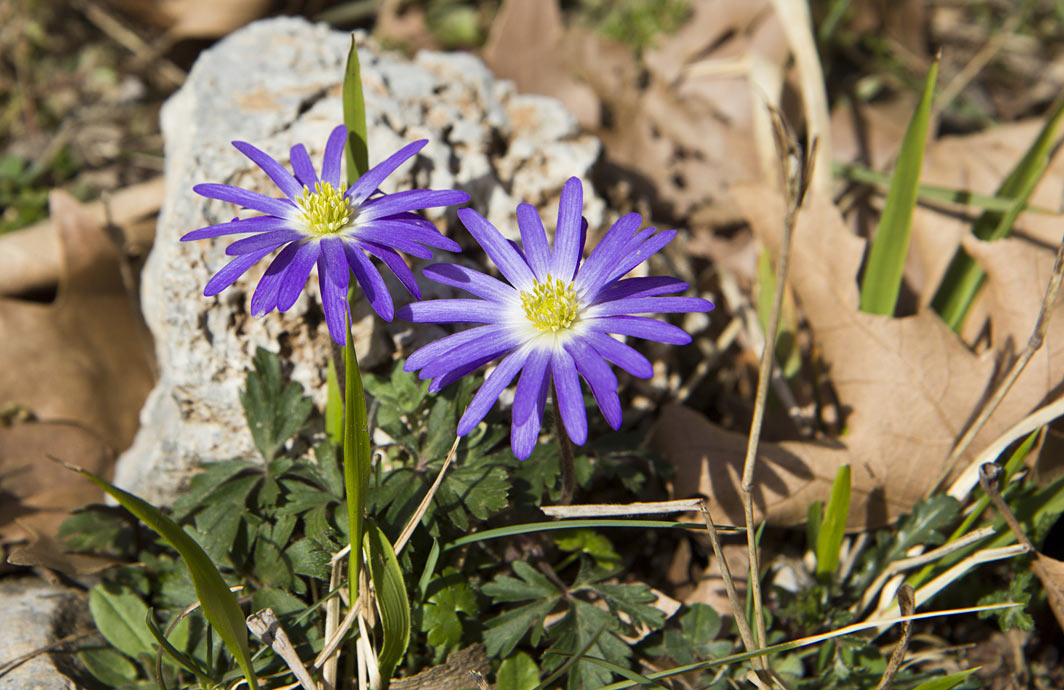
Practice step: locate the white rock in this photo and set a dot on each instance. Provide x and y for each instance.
(276, 83)
(37, 614)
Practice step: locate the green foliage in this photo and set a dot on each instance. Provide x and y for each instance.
(924, 526)
(637, 23)
(1019, 590)
(275, 412)
(833, 529)
(518, 672)
(356, 153)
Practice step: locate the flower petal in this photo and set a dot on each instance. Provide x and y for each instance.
(523, 435)
(390, 258)
(274, 170)
(265, 298)
(295, 276)
(228, 274)
(334, 154)
(271, 240)
(280, 208)
(491, 389)
(387, 231)
(451, 376)
(649, 305)
(530, 383)
(473, 282)
(639, 327)
(534, 238)
(567, 395)
(600, 378)
(334, 263)
(624, 356)
(649, 286)
(302, 166)
(369, 278)
(638, 255)
(410, 200)
(333, 302)
(237, 226)
(452, 311)
(368, 183)
(566, 254)
(486, 346)
(428, 353)
(389, 238)
(499, 250)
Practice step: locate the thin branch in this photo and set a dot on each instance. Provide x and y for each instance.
(907, 604)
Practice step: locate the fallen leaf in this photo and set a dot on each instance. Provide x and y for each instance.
(45, 551)
(1051, 572)
(908, 387)
(196, 18)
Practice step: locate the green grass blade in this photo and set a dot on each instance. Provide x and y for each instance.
(529, 528)
(947, 682)
(356, 152)
(392, 600)
(890, 245)
(964, 277)
(219, 605)
(356, 459)
(334, 406)
(833, 529)
(187, 662)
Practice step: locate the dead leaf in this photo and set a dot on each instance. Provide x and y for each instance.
(196, 18)
(47, 552)
(908, 388)
(81, 365)
(1051, 572)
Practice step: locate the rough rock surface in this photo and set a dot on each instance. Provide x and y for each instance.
(276, 83)
(37, 614)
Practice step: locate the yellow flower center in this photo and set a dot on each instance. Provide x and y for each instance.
(324, 210)
(551, 305)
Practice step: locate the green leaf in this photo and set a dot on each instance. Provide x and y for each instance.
(356, 450)
(334, 406)
(508, 628)
(357, 150)
(392, 601)
(591, 543)
(274, 413)
(187, 662)
(947, 682)
(218, 523)
(1019, 592)
(119, 615)
(890, 244)
(109, 667)
(93, 528)
(833, 529)
(440, 612)
(964, 277)
(518, 672)
(219, 605)
(205, 484)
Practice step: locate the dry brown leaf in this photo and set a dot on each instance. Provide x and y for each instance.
(80, 365)
(47, 552)
(196, 18)
(1051, 572)
(908, 387)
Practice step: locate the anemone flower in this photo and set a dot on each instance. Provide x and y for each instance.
(318, 222)
(552, 319)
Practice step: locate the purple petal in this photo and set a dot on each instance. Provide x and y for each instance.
(248, 199)
(534, 237)
(624, 356)
(453, 311)
(639, 287)
(302, 166)
(639, 327)
(523, 436)
(600, 378)
(334, 263)
(473, 282)
(228, 274)
(491, 389)
(644, 251)
(529, 385)
(369, 278)
(295, 277)
(607, 253)
(387, 232)
(333, 302)
(271, 240)
(334, 154)
(368, 183)
(566, 253)
(499, 250)
(274, 170)
(451, 376)
(265, 298)
(649, 305)
(390, 258)
(486, 346)
(428, 353)
(567, 396)
(236, 227)
(390, 238)
(410, 200)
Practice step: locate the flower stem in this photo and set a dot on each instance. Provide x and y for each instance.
(565, 446)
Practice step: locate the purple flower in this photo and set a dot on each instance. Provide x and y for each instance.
(316, 222)
(553, 319)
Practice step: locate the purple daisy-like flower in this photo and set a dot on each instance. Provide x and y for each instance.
(553, 320)
(318, 223)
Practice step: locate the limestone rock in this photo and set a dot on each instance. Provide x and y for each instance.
(276, 83)
(37, 614)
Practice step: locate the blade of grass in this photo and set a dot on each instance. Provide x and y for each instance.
(219, 605)
(356, 459)
(528, 528)
(833, 529)
(890, 244)
(964, 277)
(356, 153)
(392, 600)
(334, 406)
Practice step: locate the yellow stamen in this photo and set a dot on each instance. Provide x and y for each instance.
(551, 305)
(324, 210)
